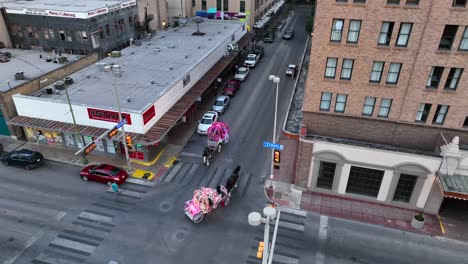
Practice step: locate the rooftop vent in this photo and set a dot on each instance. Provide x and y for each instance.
(199, 47)
(88, 76)
(129, 99)
(172, 46)
(209, 39)
(68, 80)
(101, 65)
(60, 85)
(138, 42)
(19, 75)
(157, 49)
(152, 81)
(186, 56)
(170, 68)
(49, 90)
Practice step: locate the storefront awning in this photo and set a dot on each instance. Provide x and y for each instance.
(453, 186)
(168, 120)
(38, 123)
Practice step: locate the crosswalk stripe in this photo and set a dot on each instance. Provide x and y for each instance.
(141, 182)
(182, 173)
(283, 259)
(72, 232)
(217, 178)
(96, 217)
(110, 207)
(173, 172)
(189, 175)
(73, 246)
(244, 182)
(91, 226)
(207, 179)
(79, 240)
(291, 226)
(49, 256)
(128, 193)
(292, 211)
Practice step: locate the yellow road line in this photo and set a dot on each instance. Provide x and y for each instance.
(441, 224)
(170, 161)
(149, 163)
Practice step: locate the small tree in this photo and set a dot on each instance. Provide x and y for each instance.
(309, 25)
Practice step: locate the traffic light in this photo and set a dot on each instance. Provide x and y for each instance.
(90, 148)
(277, 156)
(128, 139)
(260, 249)
(112, 133)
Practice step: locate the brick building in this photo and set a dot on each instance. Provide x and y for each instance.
(386, 77)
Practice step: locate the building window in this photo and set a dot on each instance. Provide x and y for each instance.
(404, 34)
(337, 30)
(465, 123)
(193, 3)
(423, 112)
(386, 31)
(63, 36)
(359, 1)
(447, 37)
(325, 101)
(340, 104)
(218, 5)
(45, 32)
(101, 33)
(330, 69)
(368, 108)
(464, 41)
(393, 73)
(30, 31)
(412, 2)
(353, 32)
(376, 71)
(242, 6)
(393, 2)
(453, 78)
(384, 109)
(342, 1)
(459, 3)
(52, 33)
(434, 77)
(226, 5)
(404, 188)
(347, 69)
(440, 114)
(326, 175)
(364, 181)
(108, 31)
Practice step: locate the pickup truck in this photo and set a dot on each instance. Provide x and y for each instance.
(251, 60)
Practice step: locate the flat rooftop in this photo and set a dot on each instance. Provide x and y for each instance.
(149, 70)
(60, 5)
(29, 62)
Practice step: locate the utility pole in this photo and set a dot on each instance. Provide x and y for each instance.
(276, 80)
(77, 132)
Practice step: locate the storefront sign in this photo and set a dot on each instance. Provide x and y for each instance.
(148, 115)
(106, 115)
(129, 3)
(97, 12)
(62, 14)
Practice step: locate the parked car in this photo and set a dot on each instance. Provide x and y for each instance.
(291, 70)
(221, 104)
(104, 173)
(259, 50)
(241, 74)
(231, 87)
(251, 60)
(26, 158)
(269, 38)
(289, 34)
(281, 25)
(207, 120)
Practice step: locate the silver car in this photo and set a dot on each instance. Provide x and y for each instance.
(221, 104)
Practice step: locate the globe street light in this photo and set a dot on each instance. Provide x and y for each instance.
(276, 80)
(255, 219)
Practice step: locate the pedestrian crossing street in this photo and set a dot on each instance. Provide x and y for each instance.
(92, 225)
(289, 239)
(196, 175)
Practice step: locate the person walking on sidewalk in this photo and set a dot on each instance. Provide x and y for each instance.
(115, 189)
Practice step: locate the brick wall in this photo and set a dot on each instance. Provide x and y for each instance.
(303, 163)
(7, 105)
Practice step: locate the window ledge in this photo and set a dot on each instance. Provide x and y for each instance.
(411, 6)
(392, 6)
(401, 48)
(341, 3)
(335, 43)
(360, 4)
(461, 52)
(374, 84)
(383, 46)
(442, 51)
(329, 79)
(389, 85)
(456, 8)
(352, 45)
(430, 89)
(449, 91)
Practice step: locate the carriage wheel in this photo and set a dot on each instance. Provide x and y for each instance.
(219, 148)
(204, 160)
(226, 202)
(198, 218)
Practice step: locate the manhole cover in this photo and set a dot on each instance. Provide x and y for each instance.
(11, 239)
(180, 235)
(165, 206)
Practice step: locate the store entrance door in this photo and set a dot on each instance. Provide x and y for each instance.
(3, 126)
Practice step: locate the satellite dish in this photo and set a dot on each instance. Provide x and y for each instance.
(198, 20)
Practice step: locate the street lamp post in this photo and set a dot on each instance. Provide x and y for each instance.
(256, 219)
(117, 73)
(276, 80)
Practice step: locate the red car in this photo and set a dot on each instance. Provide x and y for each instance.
(231, 87)
(104, 173)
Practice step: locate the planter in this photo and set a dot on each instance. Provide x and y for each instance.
(418, 221)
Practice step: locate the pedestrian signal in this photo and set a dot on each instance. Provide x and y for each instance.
(276, 156)
(112, 133)
(260, 249)
(90, 148)
(128, 139)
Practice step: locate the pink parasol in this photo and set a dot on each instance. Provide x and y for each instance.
(218, 131)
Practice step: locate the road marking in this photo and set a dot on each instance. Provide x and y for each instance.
(441, 224)
(195, 155)
(76, 233)
(91, 226)
(174, 171)
(141, 182)
(291, 226)
(72, 246)
(293, 211)
(60, 215)
(323, 229)
(54, 257)
(96, 217)
(283, 259)
(170, 161)
(28, 243)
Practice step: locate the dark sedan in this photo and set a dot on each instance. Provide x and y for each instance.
(104, 173)
(23, 158)
(289, 34)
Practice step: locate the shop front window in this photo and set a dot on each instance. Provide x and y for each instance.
(405, 188)
(326, 175)
(364, 181)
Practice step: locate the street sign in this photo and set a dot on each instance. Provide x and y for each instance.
(121, 123)
(267, 144)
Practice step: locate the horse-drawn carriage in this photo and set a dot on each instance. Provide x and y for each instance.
(218, 134)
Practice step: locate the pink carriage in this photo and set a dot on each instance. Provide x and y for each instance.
(218, 134)
(204, 201)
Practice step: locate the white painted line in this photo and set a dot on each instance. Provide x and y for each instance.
(293, 211)
(96, 217)
(174, 171)
(284, 259)
(60, 215)
(291, 226)
(195, 155)
(323, 229)
(140, 182)
(28, 243)
(73, 245)
(113, 262)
